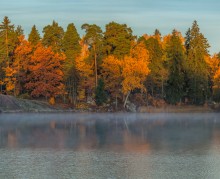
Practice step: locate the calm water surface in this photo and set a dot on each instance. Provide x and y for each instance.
(66, 146)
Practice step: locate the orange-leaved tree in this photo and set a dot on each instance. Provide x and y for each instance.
(10, 79)
(16, 72)
(213, 64)
(46, 76)
(217, 79)
(135, 70)
(112, 75)
(22, 57)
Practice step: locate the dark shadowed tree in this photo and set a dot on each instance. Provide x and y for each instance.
(100, 94)
(71, 49)
(157, 77)
(176, 57)
(197, 70)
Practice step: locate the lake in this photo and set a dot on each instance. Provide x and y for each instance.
(109, 146)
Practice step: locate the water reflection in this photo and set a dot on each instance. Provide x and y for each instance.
(134, 132)
(57, 146)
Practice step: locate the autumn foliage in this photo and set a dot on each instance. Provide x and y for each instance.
(46, 76)
(135, 69)
(112, 74)
(63, 65)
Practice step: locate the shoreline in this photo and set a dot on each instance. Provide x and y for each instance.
(10, 104)
(177, 109)
(141, 109)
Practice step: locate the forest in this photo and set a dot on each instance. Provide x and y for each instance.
(111, 66)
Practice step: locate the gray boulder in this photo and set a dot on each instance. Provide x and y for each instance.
(131, 107)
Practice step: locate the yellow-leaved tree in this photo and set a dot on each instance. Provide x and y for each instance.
(214, 73)
(85, 70)
(135, 70)
(127, 74)
(217, 79)
(22, 54)
(213, 64)
(112, 75)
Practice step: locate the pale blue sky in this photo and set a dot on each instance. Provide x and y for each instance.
(143, 16)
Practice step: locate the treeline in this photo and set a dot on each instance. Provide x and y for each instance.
(112, 65)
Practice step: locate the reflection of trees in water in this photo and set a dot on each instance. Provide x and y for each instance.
(136, 135)
(12, 139)
(179, 137)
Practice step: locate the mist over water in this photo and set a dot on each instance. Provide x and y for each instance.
(109, 145)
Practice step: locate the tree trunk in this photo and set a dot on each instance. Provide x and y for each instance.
(152, 91)
(126, 99)
(6, 42)
(96, 73)
(74, 91)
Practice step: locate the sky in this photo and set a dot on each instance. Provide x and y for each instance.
(143, 16)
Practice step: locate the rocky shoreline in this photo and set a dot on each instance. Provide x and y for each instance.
(10, 104)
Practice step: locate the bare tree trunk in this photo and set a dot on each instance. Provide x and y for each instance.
(126, 99)
(96, 73)
(152, 91)
(74, 91)
(6, 43)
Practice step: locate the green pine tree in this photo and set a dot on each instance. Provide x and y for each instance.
(176, 57)
(70, 45)
(118, 40)
(72, 49)
(8, 42)
(157, 33)
(34, 36)
(94, 38)
(187, 41)
(100, 94)
(158, 75)
(19, 31)
(53, 36)
(218, 55)
(197, 70)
